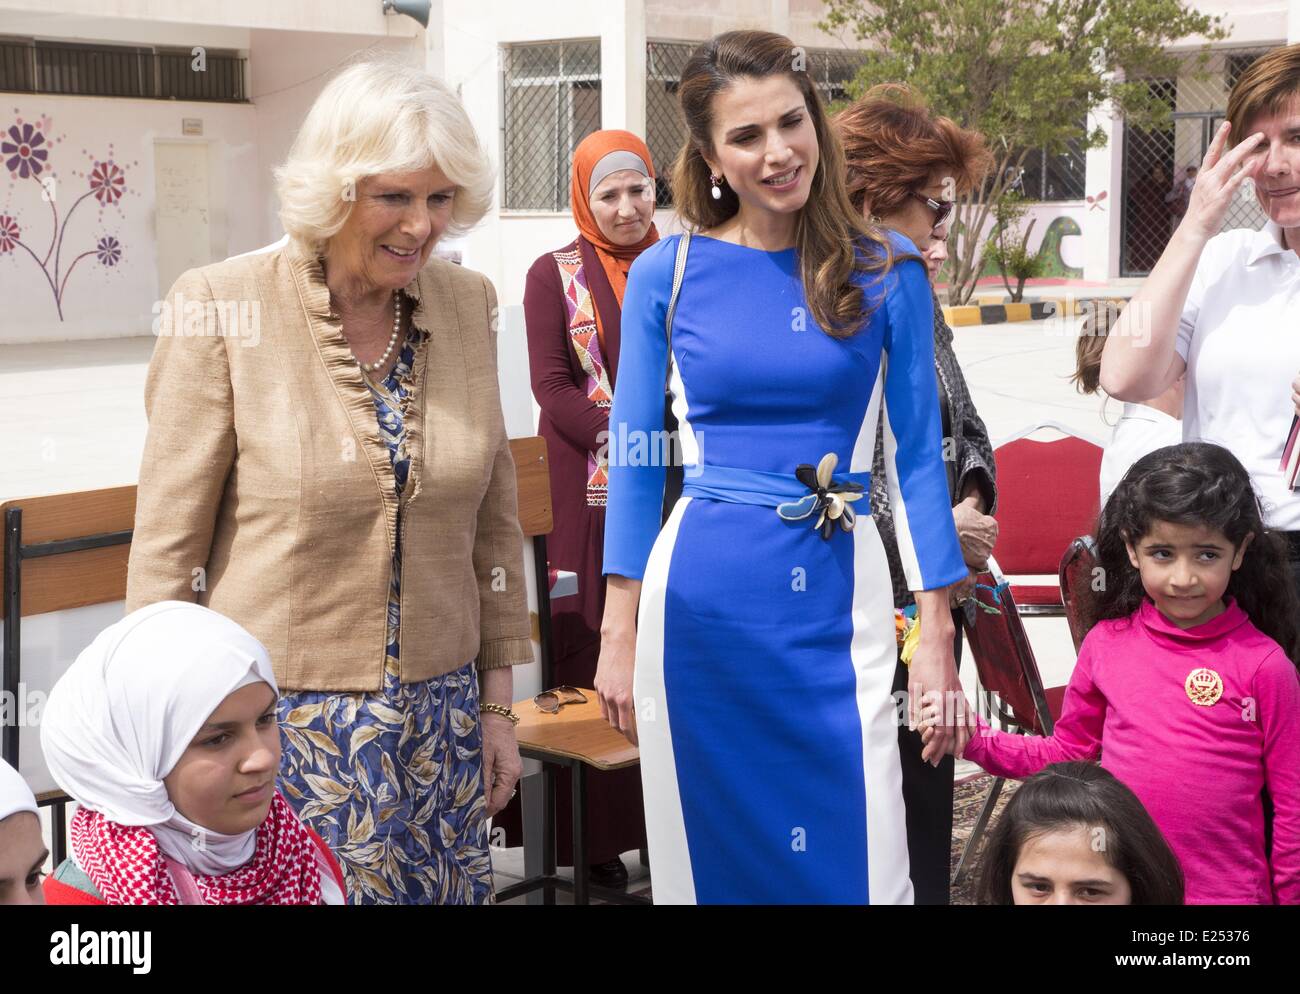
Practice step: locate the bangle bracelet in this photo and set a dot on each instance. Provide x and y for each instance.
(502, 710)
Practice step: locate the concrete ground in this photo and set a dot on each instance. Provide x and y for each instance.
(72, 414)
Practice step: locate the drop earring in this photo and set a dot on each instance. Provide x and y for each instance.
(714, 189)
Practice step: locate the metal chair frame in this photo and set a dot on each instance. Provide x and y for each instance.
(994, 708)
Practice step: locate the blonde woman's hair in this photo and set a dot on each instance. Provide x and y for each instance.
(829, 231)
(378, 117)
(1099, 317)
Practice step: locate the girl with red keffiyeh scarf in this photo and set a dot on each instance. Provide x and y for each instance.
(164, 732)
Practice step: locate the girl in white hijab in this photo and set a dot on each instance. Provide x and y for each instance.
(22, 850)
(164, 732)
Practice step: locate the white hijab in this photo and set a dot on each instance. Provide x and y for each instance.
(15, 795)
(119, 719)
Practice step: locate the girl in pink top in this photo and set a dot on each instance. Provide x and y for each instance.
(1184, 685)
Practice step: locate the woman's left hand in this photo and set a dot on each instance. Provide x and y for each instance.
(960, 591)
(976, 531)
(502, 766)
(1295, 394)
(932, 682)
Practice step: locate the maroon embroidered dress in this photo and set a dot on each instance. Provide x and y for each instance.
(573, 381)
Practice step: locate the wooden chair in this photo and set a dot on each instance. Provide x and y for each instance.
(577, 737)
(1012, 688)
(60, 552)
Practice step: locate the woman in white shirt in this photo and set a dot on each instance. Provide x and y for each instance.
(1225, 308)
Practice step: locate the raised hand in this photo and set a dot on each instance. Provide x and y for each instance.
(1218, 180)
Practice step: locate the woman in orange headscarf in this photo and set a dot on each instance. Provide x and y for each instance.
(573, 303)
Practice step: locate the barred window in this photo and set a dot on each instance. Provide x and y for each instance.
(1153, 194)
(1056, 176)
(1236, 65)
(832, 70)
(29, 66)
(551, 95)
(664, 128)
(221, 78)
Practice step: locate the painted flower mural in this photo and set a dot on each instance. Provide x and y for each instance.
(108, 250)
(25, 154)
(9, 233)
(107, 182)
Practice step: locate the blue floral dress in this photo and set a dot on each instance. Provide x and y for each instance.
(393, 780)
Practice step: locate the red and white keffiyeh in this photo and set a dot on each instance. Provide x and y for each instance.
(127, 867)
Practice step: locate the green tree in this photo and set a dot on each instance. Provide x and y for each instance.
(1024, 73)
(1008, 245)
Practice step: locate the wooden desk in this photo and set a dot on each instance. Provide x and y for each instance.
(578, 732)
(576, 737)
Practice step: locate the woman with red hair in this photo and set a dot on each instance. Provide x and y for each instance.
(905, 166)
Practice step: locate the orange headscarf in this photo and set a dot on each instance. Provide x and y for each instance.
(616, 260)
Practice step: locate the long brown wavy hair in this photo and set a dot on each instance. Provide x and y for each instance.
(829, 235)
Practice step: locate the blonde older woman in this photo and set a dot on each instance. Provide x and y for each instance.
(331, 470)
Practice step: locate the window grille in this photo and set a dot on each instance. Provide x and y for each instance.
(551, 95)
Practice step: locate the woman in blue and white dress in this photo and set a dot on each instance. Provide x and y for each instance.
(758, 675)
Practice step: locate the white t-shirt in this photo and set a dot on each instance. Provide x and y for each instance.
(1140, 430)
(1240, 334)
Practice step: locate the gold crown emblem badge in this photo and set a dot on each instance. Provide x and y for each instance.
(1204, 687)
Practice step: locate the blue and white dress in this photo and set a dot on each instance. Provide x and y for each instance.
(765, 653)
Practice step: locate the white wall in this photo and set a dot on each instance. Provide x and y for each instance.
(287, 69)
(102, 301)
(342, 16)
(1251, 22)
(505, 245)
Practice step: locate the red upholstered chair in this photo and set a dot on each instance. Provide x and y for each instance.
(1047, 494)
(1012, 689)
(1075, 578)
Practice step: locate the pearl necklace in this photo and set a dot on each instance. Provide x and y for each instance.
(370, 367)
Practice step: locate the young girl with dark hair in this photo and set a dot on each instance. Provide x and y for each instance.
(1073, 834)
(1184, 683)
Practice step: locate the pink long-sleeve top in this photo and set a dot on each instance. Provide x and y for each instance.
(1199, 770)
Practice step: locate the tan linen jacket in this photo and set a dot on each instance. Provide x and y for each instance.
(266, 491)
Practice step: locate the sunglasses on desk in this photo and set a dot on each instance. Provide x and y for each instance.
(550, 701)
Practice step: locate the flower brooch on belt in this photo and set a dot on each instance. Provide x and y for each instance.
(830, 497)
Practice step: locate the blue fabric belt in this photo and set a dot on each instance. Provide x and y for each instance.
(751, 486)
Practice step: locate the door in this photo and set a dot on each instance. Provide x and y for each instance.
(182, 217)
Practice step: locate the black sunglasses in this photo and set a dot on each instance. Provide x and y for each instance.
(942, 208)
